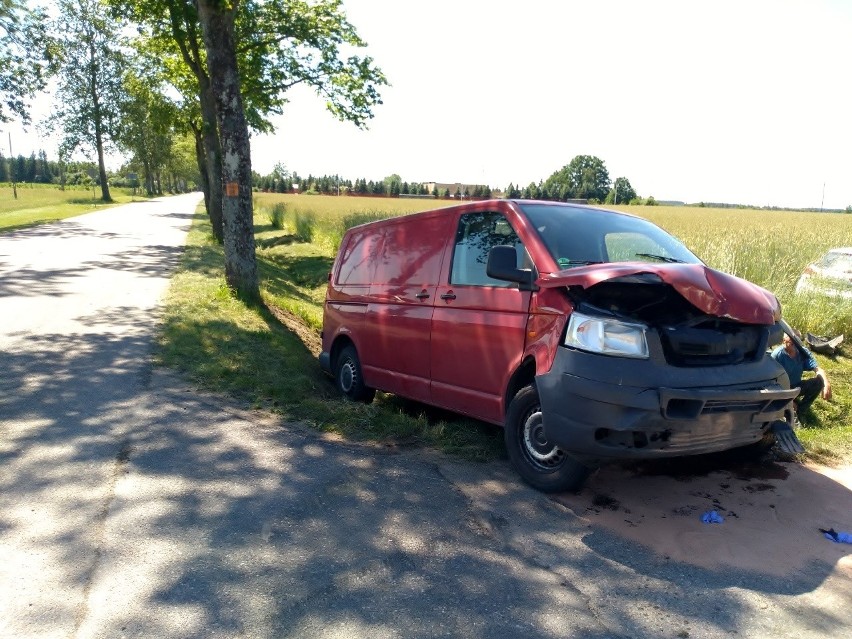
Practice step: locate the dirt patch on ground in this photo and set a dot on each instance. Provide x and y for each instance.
(309, 336)
(771, 512)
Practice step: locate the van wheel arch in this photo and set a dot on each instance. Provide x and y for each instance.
(340, 342)
(523, 376)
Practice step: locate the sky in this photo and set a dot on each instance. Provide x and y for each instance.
(744, 101)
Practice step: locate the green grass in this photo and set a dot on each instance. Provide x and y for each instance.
(40, 204)
(226, 346)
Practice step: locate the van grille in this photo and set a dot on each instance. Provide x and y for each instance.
(713, 343)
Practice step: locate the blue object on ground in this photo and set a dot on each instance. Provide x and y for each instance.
(712, 517)
(837, 537)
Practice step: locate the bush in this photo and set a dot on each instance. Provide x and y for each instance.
(276, 215)
(305, 222)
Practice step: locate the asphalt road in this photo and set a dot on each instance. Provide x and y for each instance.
(132, 505)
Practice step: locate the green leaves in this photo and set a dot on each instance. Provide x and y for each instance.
(24, 58)
(282, 44)
(585, 177)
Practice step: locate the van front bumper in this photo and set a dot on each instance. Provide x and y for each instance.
(656, 411)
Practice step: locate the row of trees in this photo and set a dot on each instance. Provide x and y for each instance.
(180, 173)
(36, 169)
(143, 76)
(584, 178)
(282, 181)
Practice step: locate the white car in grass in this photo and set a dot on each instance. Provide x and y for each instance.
(830, 275)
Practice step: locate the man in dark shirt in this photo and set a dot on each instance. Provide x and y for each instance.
(795, 361)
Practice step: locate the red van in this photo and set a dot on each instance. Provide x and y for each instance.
(589, 335)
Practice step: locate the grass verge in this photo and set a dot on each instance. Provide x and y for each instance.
(41, 204)
(225, 346)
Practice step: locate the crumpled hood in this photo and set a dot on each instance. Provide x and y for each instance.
(710, 291)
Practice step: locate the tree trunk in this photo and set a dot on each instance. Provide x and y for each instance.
(212, 157)
(201, 160)
(217, 25)
(184, 19)
(98, 120)
(149, 178)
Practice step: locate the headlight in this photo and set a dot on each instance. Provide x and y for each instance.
(606, 335)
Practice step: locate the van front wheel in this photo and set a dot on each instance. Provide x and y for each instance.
(541, 463)
(350, 378)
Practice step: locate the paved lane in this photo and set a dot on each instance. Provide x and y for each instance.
(77, 309)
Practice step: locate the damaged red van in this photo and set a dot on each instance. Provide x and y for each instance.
(589, 335)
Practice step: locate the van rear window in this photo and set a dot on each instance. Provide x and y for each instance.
(412, 251)
(357, 261)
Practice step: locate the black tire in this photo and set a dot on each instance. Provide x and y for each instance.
(540, 463)
(350, 378)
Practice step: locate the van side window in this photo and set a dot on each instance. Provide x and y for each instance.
(477, 234)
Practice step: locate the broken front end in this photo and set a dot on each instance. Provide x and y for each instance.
(663, 360)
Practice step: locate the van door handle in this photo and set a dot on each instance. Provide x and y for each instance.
(448, 296)
(422, 295)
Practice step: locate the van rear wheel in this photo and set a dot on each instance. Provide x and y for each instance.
(350, 378)
(538, 461)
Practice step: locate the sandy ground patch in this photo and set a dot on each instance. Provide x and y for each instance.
(772, 512)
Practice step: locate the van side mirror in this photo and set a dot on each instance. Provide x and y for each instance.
(503, 265)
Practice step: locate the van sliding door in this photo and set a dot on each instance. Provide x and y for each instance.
(402, 295)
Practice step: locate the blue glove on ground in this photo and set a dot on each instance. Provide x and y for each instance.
(837, 537)
(712, 517)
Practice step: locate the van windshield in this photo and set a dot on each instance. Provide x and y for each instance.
(579, 236)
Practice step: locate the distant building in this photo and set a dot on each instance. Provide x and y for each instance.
(465, 190)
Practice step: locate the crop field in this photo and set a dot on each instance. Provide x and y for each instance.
(770, 248)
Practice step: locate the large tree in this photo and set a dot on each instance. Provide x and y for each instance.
(217, 25)
(622, 192)
(172, 35)
(23, 58)
(276, 45)
(585, 177)
(87, 112)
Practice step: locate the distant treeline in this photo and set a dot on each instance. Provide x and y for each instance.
(37, 169)
(334, 185)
